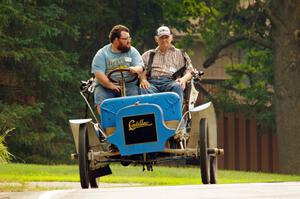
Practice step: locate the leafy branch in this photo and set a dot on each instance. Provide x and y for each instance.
(214, 55)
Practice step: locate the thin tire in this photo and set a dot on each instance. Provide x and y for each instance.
(213, 169)
(204, 157)
(83, 157)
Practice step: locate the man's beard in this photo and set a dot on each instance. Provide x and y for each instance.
(123, 48)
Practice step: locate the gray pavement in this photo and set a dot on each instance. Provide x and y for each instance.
(286, 190)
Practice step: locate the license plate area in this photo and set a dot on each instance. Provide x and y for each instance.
(139, 129)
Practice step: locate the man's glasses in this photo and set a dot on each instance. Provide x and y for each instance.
(125, 38)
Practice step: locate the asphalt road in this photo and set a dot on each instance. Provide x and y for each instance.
(286, 190)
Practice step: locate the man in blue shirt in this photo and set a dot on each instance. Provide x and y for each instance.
(116, 55)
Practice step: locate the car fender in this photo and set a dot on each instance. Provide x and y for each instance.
(206, 111)
(92, 134)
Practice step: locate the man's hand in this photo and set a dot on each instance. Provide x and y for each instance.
(144, 84)
(115, 88)
(105, 82)
(181, 82)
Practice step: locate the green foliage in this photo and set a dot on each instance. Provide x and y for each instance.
(250, 88)
(41, 69)
(5, 156)
(46, 49)
(252, 78)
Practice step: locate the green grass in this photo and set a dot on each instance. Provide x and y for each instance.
(160, 176)
(33, 172)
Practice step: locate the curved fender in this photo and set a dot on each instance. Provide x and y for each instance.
(92, 134)
(207, 111)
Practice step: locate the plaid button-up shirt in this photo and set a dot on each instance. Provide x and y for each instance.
(167, 63)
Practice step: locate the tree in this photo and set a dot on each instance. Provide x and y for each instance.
(285, 19)
(263, 25)
(46, 49)
(37, 96)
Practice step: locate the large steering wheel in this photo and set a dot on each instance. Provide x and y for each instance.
(121, 71)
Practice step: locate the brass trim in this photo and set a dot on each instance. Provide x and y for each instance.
(110, 130)
(172, 124)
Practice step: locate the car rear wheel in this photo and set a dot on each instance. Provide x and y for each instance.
(204, 156)
(83, 157)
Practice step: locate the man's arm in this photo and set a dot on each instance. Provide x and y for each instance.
(137, 62)
(182, 81)
(187, 71)
(136, 69)
(186, 77)
(143, 77)
(143, 81)
(105, 82)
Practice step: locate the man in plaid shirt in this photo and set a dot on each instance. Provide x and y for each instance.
(162, 64)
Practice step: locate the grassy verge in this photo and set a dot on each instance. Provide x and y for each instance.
(24, 173)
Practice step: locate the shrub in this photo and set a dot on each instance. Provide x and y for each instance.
(5, 156)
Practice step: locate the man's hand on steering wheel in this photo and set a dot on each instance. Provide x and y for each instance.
(115, 88)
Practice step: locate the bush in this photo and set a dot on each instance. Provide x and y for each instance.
(5, 156)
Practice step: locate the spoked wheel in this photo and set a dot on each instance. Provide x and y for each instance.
(83, 157)
(208, 163)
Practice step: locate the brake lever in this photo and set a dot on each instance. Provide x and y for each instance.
(92, 86)
(197, 74)
(88, 85)
(83, 86)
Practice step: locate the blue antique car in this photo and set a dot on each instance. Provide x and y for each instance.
(145, 130)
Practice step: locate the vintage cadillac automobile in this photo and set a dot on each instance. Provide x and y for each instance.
(145, 130)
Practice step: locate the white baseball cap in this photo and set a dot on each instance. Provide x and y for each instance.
(163, 30)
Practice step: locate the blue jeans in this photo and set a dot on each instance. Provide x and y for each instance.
(101, 93)
(163, 84)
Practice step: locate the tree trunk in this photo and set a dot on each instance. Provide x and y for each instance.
(286, 41)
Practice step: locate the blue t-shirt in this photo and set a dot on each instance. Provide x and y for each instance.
(105, 61)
